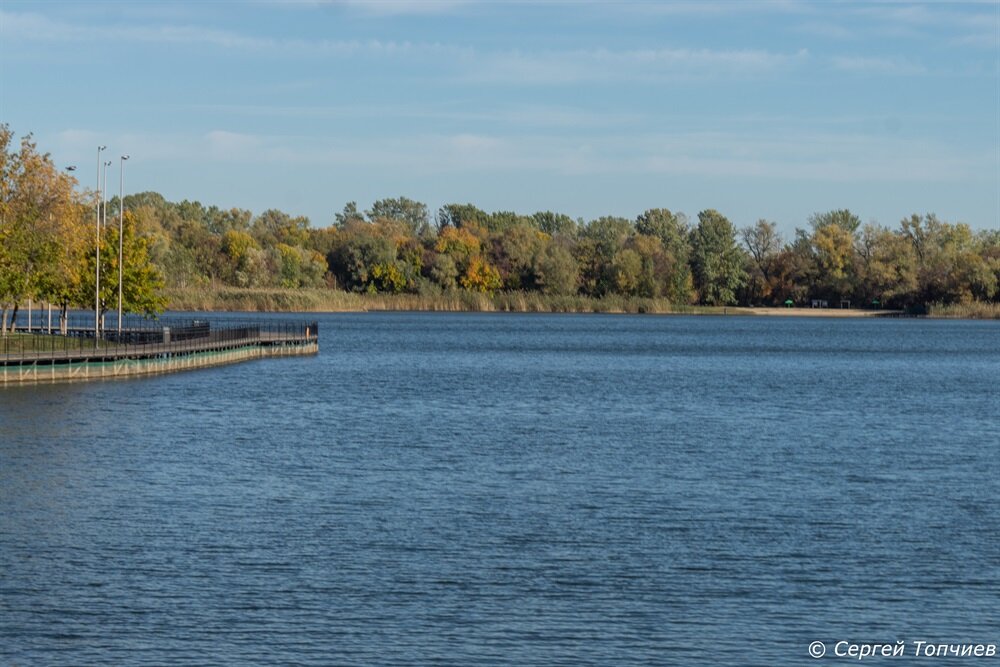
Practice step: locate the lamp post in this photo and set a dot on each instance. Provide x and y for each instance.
(97, 256)
(70, 169)
(121, 232)
(104, 217)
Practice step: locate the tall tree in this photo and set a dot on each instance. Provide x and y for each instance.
(716, 260)
(887, 267)
(951, 266)
(833, 250)
(401, 209)
(141, 280)
(842, 218)
(599, 242)
(348, 215)
(672, 230)
(39, 233)
(554, 223)
(458, 215)
(763, 243)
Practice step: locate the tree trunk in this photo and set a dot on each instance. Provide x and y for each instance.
(13, 318)
(3, 321)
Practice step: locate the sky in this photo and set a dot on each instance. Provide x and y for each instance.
(760, 109)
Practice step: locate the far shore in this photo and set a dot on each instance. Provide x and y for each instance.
(277, 300)
(817, 312)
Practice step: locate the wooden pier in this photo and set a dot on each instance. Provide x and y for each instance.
(148, 349)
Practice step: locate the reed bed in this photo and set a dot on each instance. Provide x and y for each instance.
(327, 300)
(977, 310)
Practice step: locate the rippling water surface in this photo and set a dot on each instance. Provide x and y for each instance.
(513, 489)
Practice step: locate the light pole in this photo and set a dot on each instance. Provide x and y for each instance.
(121, 232)
(70, 169)
(104, 216)
(97, 256)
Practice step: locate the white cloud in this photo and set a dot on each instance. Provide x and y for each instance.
(884, 66)
(604, 65)
(36, 27)
(967, 24)
(772, 153)
(221, 144)
(399, 7)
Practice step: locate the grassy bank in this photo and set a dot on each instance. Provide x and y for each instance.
(978, 310)
(234, 299)
(324, 300)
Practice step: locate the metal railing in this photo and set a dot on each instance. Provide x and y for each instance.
(142, 337)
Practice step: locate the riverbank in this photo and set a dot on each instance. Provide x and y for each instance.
(326, 300)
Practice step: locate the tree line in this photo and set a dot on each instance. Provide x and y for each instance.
(49, 242)
(395, 246)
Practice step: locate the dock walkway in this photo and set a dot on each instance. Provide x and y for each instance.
(147, 347)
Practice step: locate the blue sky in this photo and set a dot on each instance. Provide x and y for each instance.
(769, 110)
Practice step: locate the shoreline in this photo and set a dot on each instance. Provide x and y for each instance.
(333, 301)
(322, 300)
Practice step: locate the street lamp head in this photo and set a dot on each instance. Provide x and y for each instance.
(101, 148)
(72, 167)
(108, 163)
(124, 157)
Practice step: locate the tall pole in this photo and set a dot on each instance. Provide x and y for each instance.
(104, 216)
(71, 169)
(97, 255)
(121, 232)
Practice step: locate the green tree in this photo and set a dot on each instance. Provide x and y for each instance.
(141, 280)
(556, 270)
(246, 261)
(355, 258)
(458, 215)
(887, 266)
(627, 271)
(273, 227)
(763, 243)
(413, 213)
(833, 248)
(716, 260)
(951, 266)
(600, 241)
(842, 218)
(348, 215)
(672, 231)
(40, 227)
(514, 252)
(554, 223)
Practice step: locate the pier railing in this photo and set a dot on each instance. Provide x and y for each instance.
(142, 337)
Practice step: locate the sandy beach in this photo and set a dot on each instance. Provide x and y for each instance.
(818, 312)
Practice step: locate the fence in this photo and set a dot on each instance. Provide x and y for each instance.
(141, 338)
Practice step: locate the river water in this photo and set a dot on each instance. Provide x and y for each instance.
(513, 489)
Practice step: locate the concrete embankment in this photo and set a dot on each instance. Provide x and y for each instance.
(151, 350)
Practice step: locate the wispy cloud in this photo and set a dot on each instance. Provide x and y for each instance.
(511, 116)
(401, 7)
(881, 66)
(464, 64)
(26, 26)
(706, 8)
(967, 23)
(778, 155)
(604, 65)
